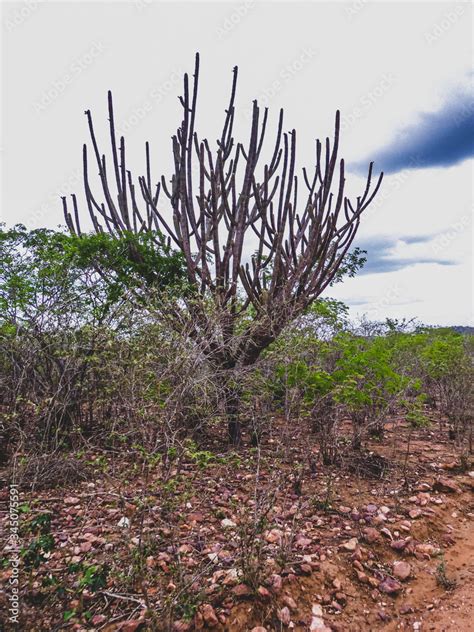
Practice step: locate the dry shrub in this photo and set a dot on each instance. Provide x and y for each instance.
(49, 471)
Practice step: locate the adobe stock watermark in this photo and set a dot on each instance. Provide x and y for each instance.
(12, 551)
(285, 75)
(354, 9)
(75, 69)
(368, 100)
(446, 22)
(141, 5)
(444, 240)
(18, 16)
(156, 95)
(239, 13)
(391, 185)
(380, 307)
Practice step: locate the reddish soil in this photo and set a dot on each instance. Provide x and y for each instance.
(329, 539)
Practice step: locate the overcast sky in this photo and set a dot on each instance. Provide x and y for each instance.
(401, 74)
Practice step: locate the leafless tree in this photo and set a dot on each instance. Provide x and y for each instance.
(256, 249)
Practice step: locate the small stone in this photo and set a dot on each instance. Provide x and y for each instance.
(401, 570)
(337, 583)
(258, 628)
(446, 485)
(390, 586)
(427, 550)
(263, 593)
(350, 545)
(98, 619)
(72, 500)
(371, 535)
(275, 535)
(415, 513)
(284, 615)
(276, 582)
(399, 545)
(301, 542)
(241, 590)
(290, 602)
(227, 523)
(209, 615)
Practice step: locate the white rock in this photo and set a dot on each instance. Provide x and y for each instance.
(227, 523)
(124, 522)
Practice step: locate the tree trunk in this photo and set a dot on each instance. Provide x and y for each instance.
(234, 430)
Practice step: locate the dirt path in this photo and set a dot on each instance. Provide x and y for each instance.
(455, 610)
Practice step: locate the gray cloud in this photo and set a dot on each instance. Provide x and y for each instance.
(437, 139)
(380, 258)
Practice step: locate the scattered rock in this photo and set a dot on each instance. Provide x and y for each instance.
(401, 570)
(362, 577)
(241, 590)
(209, 615)
(446, 485)
(415, 513)
(337, 583)
(284, 615)
(406, 609)
(276, 582)
(98, 619)
(275, 535)
(390, 586)
(86, 547)
(306, 569)
(350, 545)
(371, 535)
(264, 593)
(317, 622)
(399, 545)
(227, 523)
(71, 500)
(290, 602)
(302, 542)
(427, 550)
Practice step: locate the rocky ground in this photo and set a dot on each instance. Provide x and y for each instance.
(254, 539)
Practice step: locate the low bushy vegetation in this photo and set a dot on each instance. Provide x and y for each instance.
(85, 360)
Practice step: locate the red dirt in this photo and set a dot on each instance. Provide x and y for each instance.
(319, 570)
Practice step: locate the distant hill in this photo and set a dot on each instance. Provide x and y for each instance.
(463, 329)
